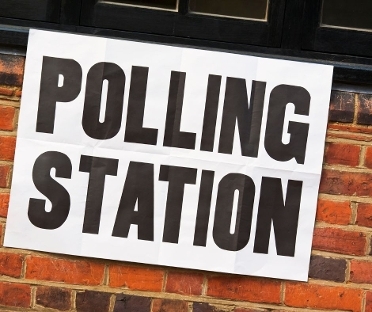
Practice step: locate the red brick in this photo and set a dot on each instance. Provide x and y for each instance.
(7, 114)
(136, 278)
(369, 302)
(4, 175)
(334, 212)
(186, 283)
(364, 215)
(6, 91)
(339, 241)
(361, 271)
(4, 203)
(10, 264)
(342, 154)
(166, 305)
(7, 147)
(368, 158)
(18, 93)
(11, 70)
(346, 183)
(303, 295)
(244, 288)
(54, 298)
(15, 295)
(67, 271)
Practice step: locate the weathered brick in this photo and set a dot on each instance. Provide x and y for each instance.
(304, 295)
(342, 154)
(136, 278)
(7, 114)
(4, 175)
(204, 307)
(15, 295)
(368, 302)
(365, 138)
(7, 147)
(346, 183)
(327, 268)
(18, 93)
(339, 241)
(132, 303)
(4, 203)
(186, 283)
(89, 301)
(11, 264)
(1, 234)
(244, 288)
(349, 128)
(364, 215)
(334, 212)
(368, 157)
(67, 271)
(360, 271)
(11, 69)
(342, 106)
(167, 305)
(253, 310)
(364, 115)
(54, 298)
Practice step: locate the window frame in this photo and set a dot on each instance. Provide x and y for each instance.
(20, 9)
(296, 38)
(328, 39)
(14, 31)
(183, 23)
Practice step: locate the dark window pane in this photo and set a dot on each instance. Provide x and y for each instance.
(163, 4)
(39, 10)
(348, 13)
(252, 9)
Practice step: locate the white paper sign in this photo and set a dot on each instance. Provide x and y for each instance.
(166, 155)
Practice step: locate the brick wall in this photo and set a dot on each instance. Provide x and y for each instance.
(340, 269)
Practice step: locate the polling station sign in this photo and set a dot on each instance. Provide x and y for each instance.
(168, 155)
